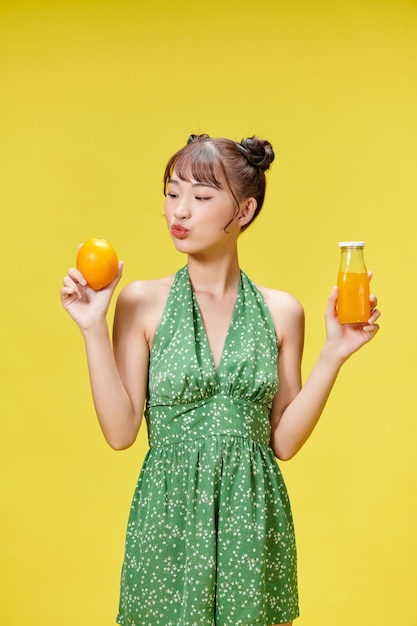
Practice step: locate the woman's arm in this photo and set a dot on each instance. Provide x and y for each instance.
(118, 376)
(296, 408)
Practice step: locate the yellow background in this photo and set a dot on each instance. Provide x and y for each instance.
(95, 97)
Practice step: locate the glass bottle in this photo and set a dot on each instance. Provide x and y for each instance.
(353, 283)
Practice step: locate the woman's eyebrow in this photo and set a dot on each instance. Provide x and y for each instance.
(204, 185)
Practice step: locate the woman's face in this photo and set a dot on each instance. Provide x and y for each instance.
(200, 217)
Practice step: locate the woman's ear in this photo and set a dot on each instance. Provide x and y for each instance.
(247, 211)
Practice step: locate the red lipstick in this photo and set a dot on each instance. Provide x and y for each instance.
(179, 231)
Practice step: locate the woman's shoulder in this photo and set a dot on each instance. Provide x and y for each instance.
(140, 304)
(286, 311)
(146, 292)
(281, 300)
(145, 296)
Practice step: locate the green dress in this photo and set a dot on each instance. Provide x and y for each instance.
(210, 538)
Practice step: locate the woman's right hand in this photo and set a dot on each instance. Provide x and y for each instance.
(86, 305)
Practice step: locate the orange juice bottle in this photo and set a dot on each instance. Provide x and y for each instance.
(353, 283)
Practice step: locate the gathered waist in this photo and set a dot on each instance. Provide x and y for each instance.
(216, 415)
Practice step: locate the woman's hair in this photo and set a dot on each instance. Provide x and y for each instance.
(241, 165)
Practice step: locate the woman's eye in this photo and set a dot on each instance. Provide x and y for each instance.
(170, 194)
(203, 197)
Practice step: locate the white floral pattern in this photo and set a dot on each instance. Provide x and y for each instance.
(210, 538)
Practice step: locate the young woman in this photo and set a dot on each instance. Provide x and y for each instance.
(210, 538)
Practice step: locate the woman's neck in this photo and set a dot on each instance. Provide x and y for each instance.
(217, 275)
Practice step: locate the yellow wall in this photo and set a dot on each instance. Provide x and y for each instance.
(95, 96)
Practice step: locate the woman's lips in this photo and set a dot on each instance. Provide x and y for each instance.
(179, 231)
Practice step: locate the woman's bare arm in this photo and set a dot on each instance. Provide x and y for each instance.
(296, 408)
(118, 374)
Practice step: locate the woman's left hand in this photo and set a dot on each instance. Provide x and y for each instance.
(348, 338)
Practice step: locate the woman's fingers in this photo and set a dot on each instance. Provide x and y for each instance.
(119, 272)
(331, 302)
(373, 301)
(77, 276)
(371, 328)
(74, 283)
(375, 314)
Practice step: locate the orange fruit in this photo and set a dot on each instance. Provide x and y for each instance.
(98, 262)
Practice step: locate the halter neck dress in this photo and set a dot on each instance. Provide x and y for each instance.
(210, 537)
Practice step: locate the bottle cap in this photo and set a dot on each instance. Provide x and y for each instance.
(351, 244)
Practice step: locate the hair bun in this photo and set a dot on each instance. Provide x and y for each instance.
(258, 152)
(195, 138)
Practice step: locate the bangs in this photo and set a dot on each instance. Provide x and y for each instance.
(197, 162)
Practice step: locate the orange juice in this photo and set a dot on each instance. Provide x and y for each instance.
(353, 300)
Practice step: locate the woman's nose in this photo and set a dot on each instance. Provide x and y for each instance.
(182, 209)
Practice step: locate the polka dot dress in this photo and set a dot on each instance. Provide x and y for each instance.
(210, 538)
